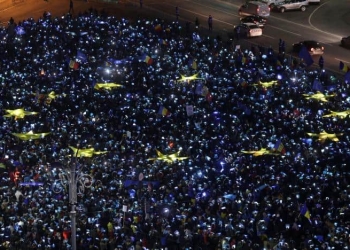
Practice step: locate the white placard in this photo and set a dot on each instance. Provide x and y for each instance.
(125, 208)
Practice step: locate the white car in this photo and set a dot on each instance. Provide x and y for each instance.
(272, 3)
(245, 30)
(315, 1)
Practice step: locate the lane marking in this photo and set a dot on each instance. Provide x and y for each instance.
(284, 30)
(269, 36)
(325, 32)
(337, 59)
(230, 14)
(310, 27)
(199, 14)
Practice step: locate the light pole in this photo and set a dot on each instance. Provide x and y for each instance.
(77, 182)
(73, 202)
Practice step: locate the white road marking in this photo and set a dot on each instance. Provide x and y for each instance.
(341, 60)
(229, 13)
(296, 34)
(269, 36)
(199, 14)
(325, 32)
(310, 26)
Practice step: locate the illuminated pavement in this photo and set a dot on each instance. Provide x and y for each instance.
(22, 10)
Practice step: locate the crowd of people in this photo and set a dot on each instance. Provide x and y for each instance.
(166, 118)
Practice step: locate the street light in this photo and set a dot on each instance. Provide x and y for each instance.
(77, 182)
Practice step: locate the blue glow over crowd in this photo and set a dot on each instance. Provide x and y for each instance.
(181, 142)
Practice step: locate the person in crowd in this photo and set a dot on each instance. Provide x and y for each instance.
(176, 143)
(210, 22)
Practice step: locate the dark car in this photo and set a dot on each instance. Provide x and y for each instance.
(345, 42)
(247, 30)
(258, 20)
(313, 47)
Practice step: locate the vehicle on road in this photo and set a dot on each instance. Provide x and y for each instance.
(314, 48)
(314, 1)
(345, 42)
(272, 3)
(258, 20)
(292, 5)
(247, 30)
(254, 8)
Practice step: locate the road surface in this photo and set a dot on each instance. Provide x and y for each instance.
(326, 23)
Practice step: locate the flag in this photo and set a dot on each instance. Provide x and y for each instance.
(147, 59)
(230, 197)
(120, 62)
(209, 97)
(246, 110)
(243, 83)
(108, 64)
(280, 147)
(319, 238)
(305, 211)
(245, 60)
(73, 64)
(93, 83)
(192, 63)
(317, 86)
(343, 67)
(81, 56)
(347, 77)
(279, 63)
(189, 110)
(305, 55)
(163, 42)
(163, 111)
(158, 28)
(262, 187)
(2, 165)
(201, 90)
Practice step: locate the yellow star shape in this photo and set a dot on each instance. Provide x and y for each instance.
(189, 78)
(107, 86)
(18, 113)
(318, 96)
(168, 158)
(262, 151)
(49, 97)
(30, 135)
(52, 95)
(341, 114)
(323, 136)
(88, 152)
(267, 84)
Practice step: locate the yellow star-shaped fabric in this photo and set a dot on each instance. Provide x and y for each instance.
(107, 86)
(30, 135)
(88, 152)
(18, 113)
(341, 114)
(189, 78)
(168, 158)
(323, 136)
(49, 97)
(267, 84)
(318, 96)
(262, 151)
